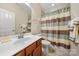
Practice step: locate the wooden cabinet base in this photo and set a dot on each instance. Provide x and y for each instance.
(35, 49)
(38, 51)
(21, 53)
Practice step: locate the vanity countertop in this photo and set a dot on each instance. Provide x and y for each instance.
(11, 49)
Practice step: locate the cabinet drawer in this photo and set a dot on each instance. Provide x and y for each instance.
(39, 42)
(30, 49)
(38, 51)
(21, 53)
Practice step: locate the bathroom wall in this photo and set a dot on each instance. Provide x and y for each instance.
(74, 10)
(21, 16)
(74, 14)
(36, 15)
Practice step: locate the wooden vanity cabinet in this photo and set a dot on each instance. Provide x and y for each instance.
(38, 42)
(21, 53)
(30, 49)
(35, 49)
(38, 50)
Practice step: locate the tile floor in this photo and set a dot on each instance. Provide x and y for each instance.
(60, 51)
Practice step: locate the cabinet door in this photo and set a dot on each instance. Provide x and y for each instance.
(21, 53)
(30, 49)
(38, 51)
(39, 42)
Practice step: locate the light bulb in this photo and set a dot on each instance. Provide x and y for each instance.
(52, 4)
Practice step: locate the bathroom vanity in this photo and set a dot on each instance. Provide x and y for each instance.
(33, 49)
(30, 45)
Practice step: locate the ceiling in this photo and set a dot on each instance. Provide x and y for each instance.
(47, 7)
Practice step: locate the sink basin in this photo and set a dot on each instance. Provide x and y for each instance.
(24, 40)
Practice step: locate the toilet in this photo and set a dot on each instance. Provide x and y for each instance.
(46, 45)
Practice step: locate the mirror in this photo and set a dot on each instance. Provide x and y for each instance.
(14, 18)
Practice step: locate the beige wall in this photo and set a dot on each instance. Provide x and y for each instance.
(36, 15)
(20, 14)
(74, 10)
(74, 14)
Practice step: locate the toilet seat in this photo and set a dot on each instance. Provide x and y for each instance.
(46, 45)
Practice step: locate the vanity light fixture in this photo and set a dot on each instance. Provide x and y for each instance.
(28, 4)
